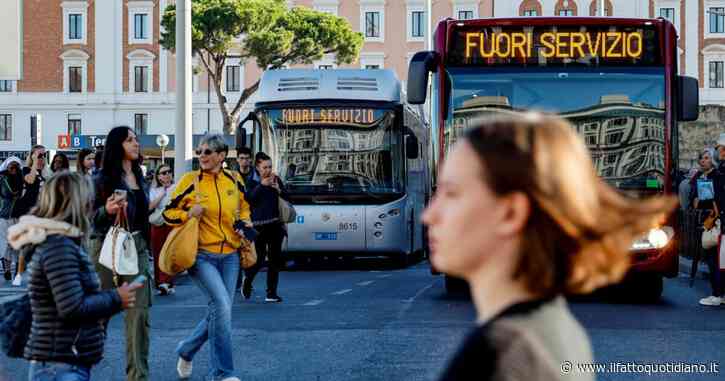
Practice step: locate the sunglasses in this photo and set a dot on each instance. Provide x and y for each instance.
(164, 173)
(206, 152)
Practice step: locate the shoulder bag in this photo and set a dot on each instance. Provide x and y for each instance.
(181, 246)
(118, 252)
(711, 229)
(247, 250)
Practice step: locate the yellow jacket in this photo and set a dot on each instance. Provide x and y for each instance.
(219, 195)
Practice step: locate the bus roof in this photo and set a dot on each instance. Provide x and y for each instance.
(290, 85)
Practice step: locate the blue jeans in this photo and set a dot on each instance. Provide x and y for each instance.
(216, 276)
(57, 371)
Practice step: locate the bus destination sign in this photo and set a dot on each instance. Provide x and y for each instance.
(554, 45)
(355, 116)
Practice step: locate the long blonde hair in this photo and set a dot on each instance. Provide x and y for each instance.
(66, 197)
(581, 229)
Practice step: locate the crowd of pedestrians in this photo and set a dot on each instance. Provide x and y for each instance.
(702, 197)
(76, 209)
(522, 236)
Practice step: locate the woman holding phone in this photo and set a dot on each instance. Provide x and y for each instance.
(67, 303)
(120, 185)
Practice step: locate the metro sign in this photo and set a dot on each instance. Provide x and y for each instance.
(79, 141)
(63, 141)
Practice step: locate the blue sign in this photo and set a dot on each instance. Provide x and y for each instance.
(325, 236)
(300, 219)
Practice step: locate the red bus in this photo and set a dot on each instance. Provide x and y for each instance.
(614, 79)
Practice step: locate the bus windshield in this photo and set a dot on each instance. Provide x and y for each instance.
(337, 152)
(620, 113)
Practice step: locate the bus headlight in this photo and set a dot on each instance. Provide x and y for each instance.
(656, 238)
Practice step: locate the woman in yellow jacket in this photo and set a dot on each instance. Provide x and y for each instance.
(221, 204)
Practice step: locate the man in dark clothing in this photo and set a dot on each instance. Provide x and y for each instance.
(263, 198)
(244, 159)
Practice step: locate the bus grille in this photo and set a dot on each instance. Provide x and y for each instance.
(357, 84)
(298, 84)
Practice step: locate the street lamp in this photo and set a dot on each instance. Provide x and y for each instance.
(162, 141)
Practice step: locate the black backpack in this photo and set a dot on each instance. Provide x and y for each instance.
(16, 319)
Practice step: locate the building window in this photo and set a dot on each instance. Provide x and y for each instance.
(141, 77)
(75, 26)
(668, 13)
(372, 67)
(566, 12)
(324, 67)
(141, 124)
(417, 20)
(74, 124)
(140, 30)
(716, 75)
(372, 24)
(74, 19)
(717, 20)
(465, 15)
(6, 127)
(6, 86)
(530, 12)
(233, 78)
(75, 79)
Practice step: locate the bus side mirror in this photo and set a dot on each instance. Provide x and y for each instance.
(421, 65)
(411, 146)
(241, 138)
(688, 99)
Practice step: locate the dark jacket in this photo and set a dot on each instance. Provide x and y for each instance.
(103, 221)
(30, 196)
(263, 200)
(9, 194)
(712, 176)
(527, 341)
(68, 305)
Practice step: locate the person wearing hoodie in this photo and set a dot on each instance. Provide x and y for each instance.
(67, 303)
(11, 188)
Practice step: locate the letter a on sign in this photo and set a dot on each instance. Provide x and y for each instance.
(63, 141)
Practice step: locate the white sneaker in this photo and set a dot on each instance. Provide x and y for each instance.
(711, 301)
(183, 367)
(231, 379)
(18, 281)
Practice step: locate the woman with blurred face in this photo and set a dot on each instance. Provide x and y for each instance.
(524, 235)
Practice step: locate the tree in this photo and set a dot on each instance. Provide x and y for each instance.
(270, 33)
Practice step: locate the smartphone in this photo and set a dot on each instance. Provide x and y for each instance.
(249, 233)
(120, 194)
(139, 279)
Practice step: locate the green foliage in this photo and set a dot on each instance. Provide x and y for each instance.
(271, 35)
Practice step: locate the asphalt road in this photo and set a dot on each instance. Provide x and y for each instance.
(368, 321)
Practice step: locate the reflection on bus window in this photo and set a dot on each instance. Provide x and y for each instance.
(618, 112)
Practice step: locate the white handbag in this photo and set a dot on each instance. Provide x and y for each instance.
(118, 252)
(710, 237)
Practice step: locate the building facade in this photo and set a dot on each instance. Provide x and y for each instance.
(96, 64)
